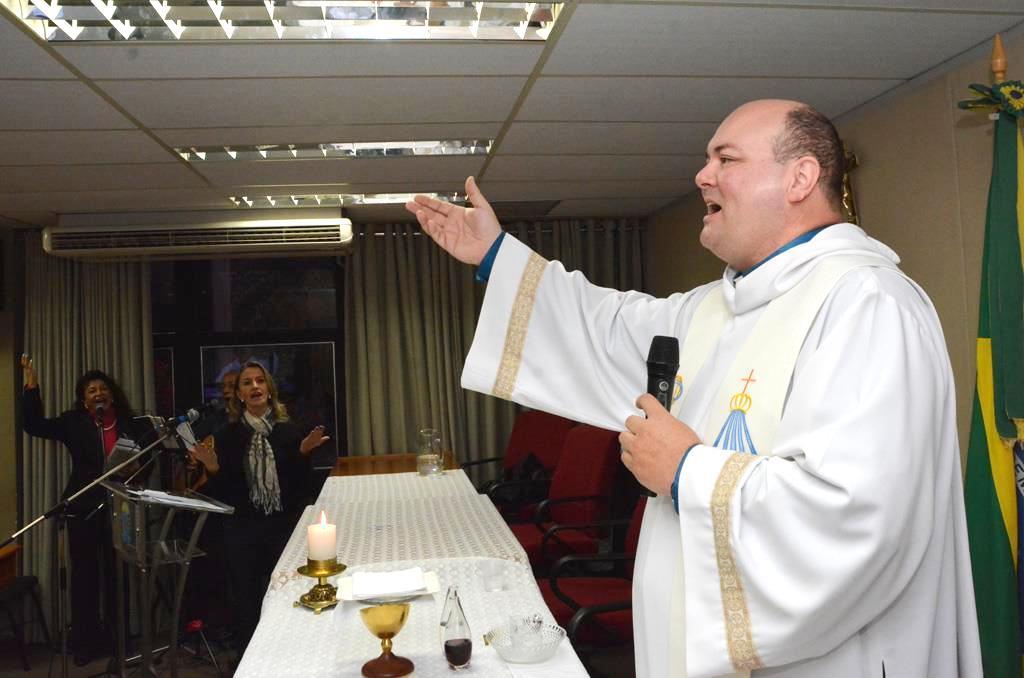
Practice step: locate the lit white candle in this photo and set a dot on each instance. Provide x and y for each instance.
(322, 539)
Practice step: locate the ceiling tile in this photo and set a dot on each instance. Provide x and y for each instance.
(95, 177)
(595, 167)
(607, 207)
(28, 218)
(55, 104)
(315, 101)
(62, 202)
(683, 99)
(299, 59)
(607, 137)
(1007, 6)
(553, 190)
(80, 147)
(182, 199)
(721, 40)
(246, 136)
(338, 171)
(23, 57)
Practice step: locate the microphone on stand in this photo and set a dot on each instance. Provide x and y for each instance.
(98, 413)
(191, 416)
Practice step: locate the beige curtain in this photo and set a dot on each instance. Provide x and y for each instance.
(78, 316)
(410, 313)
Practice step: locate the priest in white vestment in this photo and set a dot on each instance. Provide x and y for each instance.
(809, 521)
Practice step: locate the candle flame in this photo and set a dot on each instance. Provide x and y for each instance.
(323, 519)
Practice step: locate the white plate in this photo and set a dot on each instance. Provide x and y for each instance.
(430, 581)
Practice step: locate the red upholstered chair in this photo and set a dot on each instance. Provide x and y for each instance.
(580, 492)
(596, 608)
(536, 434)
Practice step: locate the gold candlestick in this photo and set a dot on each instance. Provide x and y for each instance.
(323, 595)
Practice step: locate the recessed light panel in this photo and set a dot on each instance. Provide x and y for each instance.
(188, 20)
(372, 149)
(335, 199)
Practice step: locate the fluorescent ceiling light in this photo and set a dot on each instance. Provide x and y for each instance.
(187, 20)
(339, 199)
(372, 149)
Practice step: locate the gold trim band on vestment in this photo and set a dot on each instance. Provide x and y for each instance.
(738, 634)
(518, 322)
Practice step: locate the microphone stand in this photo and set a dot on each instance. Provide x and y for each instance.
(60, 511)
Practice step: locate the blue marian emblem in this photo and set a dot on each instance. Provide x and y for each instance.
(734, 434)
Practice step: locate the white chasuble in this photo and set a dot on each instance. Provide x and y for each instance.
(821, 527)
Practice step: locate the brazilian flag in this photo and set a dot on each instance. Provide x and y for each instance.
(995, 456)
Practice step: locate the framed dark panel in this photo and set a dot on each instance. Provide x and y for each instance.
(304, 373)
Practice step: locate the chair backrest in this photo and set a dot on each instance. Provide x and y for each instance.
(537, 433)
(633, 534)
(587, 465)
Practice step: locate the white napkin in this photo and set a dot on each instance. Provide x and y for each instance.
(398, 582)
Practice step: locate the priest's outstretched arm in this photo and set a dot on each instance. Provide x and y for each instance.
(588, 362)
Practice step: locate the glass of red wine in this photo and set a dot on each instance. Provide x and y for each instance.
(457, 638)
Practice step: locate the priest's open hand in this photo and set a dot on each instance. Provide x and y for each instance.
(464, 232)
(653, 446)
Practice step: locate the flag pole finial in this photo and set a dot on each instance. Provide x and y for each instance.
(998, 59)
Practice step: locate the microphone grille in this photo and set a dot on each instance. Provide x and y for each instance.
(664, 351)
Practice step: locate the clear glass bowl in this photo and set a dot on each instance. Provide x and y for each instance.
(525, 640)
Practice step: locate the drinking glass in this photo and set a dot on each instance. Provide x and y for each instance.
(493, 574)
(428, 458)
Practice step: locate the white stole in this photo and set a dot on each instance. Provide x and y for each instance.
(753, 392)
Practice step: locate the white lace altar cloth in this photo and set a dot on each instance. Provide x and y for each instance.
(294, 643)
(391, 522)
(388, 530)
(396, 486)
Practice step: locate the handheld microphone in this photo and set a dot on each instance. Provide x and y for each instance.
(662, 366)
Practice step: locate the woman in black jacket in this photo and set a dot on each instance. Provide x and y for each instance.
(101, 412)
(260, 465)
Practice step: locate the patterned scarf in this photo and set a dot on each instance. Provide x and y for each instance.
(261, 469)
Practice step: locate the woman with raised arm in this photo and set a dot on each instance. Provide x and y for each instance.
(88, 430)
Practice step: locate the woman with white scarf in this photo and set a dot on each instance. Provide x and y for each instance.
(260, 465)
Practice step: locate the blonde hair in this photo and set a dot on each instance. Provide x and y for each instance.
(235, 404)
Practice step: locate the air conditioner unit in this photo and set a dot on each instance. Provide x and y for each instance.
(200, 235)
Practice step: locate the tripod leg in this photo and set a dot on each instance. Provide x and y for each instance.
(62, 588)
(19, 636)
(209, 650)
(122, 618)
(39, 613)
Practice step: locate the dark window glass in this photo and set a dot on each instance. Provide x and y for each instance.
(249, 295)
(162, 288)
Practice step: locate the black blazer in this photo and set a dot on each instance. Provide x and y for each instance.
(293, 469)
(77, 431)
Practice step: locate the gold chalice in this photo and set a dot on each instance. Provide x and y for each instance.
(385, 621)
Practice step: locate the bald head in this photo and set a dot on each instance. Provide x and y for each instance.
(774, 171)
(798, 130)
